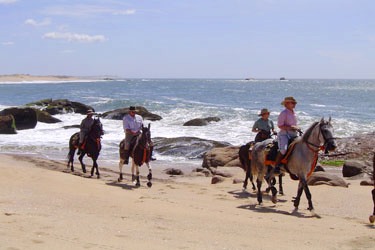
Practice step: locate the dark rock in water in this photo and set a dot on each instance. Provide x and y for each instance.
(25, 118)
(190, 147)
(320, 178)
(352, 168)
(7, 124)
(201, 121)
(174, 171)
(72, 126)
(367, 183)
(118, 114)
(60, 106)
(219, 157)
(45, 117)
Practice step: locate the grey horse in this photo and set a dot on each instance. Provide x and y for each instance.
(301, 157)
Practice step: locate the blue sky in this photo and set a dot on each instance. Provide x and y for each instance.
(189, 38)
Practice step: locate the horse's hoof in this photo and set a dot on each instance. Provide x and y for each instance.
(281, 193)
(372, 218)
(137, 184)
(119, 179)
(274, 199)
(133, 177)
(149, 184)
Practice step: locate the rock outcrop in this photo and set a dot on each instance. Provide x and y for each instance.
(25, 118)
(189, 147)
(324, 178)
(118, 114)
(60, 106)
(7, 124)
(201, 121)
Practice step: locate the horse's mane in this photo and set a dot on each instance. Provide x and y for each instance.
(308, 132)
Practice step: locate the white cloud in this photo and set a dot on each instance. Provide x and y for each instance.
(7, 1)
(74, 37)
(32, 22)
(7, 43)
(86, 10)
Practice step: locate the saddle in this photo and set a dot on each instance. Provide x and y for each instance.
(272, 149)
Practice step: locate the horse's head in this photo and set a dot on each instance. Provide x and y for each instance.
(146, 134)
(96, 129)
(326, 130)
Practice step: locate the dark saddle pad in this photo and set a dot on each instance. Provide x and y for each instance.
(272, 152)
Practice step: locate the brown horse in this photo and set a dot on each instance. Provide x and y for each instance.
(92, 147)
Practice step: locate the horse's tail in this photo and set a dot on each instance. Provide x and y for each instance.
(243, 153)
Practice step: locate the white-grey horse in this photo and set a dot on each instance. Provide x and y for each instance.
(301, 157)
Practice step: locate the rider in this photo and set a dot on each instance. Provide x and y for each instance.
(85, 128)
(263, 126)
(132, 124)
(287, 123)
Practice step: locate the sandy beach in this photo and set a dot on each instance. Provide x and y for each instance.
(36, 78)
(44, 206)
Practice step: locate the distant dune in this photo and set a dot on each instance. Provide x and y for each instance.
(31, 78)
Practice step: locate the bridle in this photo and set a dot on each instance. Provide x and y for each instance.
(325, 138)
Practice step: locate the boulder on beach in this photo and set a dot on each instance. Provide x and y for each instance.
(324, 178)
(201, 121)
(25, 118)
(118, 114)
(7, 124)
(353, 168)
(222, 157)
(189, 147)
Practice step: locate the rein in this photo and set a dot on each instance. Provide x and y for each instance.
(318, 147)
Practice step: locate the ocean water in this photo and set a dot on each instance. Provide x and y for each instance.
(350, 103)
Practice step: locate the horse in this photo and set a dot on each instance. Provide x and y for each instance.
(300, 159)
(140, 152)
(244, 154)
(91, 147)
(372, 217)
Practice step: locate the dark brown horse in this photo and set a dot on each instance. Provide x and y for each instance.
(140, 152)
(244, 154)
(91, 147)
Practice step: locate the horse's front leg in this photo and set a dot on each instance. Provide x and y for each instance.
(372, 217)
(149, 176)
(281, 191)
(120, 165)
(308, 194)
(137, 181)
(133, 170)
(80, 158)
(95, 165)
(299, 193)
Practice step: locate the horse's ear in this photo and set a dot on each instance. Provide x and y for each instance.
(149, 125)
(322, 120)
(329, 121)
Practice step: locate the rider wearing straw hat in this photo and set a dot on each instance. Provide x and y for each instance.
(263, 126)
(287, 123)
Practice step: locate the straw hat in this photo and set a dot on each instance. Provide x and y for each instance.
(288, 99)
(263, 111)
